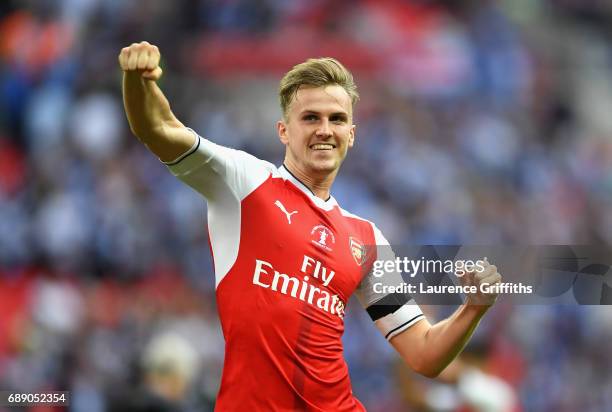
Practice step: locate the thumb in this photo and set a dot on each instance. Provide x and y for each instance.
(154, 74)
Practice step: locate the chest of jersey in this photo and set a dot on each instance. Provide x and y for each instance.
(293, 252)
(321, 247)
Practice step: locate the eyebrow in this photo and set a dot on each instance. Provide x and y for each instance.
(345, 114)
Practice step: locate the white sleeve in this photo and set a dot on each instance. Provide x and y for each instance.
(212, 170)
(224, 177)
(392, 313)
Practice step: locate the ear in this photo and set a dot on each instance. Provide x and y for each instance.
(351, 139)
(281, 127)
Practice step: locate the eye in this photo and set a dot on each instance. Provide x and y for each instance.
(310, 117)
(338, 119)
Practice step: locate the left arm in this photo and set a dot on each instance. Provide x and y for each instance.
(429, 349)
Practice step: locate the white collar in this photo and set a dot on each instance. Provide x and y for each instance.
(323, 204)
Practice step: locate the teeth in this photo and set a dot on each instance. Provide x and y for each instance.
(322, 146)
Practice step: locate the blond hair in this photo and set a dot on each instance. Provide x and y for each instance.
(319, 72)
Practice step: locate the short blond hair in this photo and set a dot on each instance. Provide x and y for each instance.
(324, 71)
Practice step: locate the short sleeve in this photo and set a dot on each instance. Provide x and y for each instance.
(211, 169)
(392, 313)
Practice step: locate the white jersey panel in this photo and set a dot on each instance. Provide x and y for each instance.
(224, 177)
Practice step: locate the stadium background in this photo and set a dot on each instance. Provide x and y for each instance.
(485, 122)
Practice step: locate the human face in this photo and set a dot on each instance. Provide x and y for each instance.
(318, 130)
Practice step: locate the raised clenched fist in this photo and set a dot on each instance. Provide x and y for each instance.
(143, 58)
(486, 283)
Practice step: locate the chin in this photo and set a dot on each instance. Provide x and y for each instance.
(324, 167)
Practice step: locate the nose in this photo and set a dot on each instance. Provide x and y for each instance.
(324, 130)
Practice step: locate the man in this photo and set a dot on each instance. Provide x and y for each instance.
(286, 256)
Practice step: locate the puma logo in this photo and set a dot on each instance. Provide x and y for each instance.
(282, 208)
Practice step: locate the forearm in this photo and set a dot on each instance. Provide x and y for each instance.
(429, 349)
(146, 107)
(446, 339)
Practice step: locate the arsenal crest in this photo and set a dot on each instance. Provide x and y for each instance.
(357, 250)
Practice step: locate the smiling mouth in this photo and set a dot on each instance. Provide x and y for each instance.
(322, 146)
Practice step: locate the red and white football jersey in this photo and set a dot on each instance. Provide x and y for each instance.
(286, 263)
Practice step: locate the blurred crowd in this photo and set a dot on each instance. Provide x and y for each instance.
(482, 122)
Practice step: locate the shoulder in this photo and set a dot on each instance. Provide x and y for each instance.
(379, 238)
(350, 215)
(205, 152)
(213, 169)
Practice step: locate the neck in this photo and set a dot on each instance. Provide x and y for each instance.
(319, 184)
